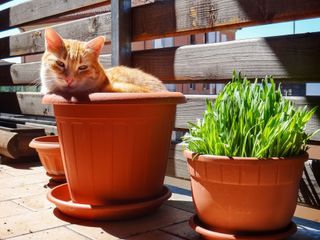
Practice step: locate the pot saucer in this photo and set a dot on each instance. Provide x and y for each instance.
(210, 234)
(60, 196)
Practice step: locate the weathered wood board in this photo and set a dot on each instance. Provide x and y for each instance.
(30, 103)
(30, 11)
(288, 58)
(189, 16)
(179, 17)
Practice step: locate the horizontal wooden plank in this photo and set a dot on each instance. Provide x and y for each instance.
(314, 151)
(5, 75)
(189, 16)
(22, 123)
(28, 121)
(181, 17)
(177, 163)
(292, 56)
(15, 143)
(30, 103)
(307, 213)
(287, 58)
(31, 11)
(49, 129)
(83, 29)
(62, 11)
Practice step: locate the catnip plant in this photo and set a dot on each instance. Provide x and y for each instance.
(250, 120)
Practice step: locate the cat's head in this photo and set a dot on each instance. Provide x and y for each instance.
(71, 66)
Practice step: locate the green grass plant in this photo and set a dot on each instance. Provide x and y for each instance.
(250, 120)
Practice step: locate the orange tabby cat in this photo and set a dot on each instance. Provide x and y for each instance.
(73, 67)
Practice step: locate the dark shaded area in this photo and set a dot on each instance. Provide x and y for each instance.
(4, 1)
(309, 192)
(315, 166)
(53, 183)
(4, 47)
(298, 54)
(5, 74)
(9, 103)
(269, 11)
(293, 89)
(21, 163)
(4, 18)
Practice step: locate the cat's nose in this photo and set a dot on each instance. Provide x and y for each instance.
(69, 80)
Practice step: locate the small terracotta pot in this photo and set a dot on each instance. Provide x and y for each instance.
(245, 194)
(48, 148)
(115, 145)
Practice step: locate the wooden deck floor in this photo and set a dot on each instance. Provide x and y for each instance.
(25, 213)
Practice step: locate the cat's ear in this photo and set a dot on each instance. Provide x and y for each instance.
(95, 45)
(54, 42)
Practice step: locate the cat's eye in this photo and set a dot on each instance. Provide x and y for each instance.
(83, 67)
(59, 63)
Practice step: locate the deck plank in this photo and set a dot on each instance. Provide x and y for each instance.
(31, 216)
(28, 223)
(164, 216)
(155, 235)
(182, 230)
(55, 233)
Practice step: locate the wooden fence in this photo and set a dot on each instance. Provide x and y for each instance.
(291, 58)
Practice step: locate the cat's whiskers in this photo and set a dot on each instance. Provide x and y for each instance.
(37, 82)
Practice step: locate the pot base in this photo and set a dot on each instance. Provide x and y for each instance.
(210, 234)
(60, 196)
(57, 178)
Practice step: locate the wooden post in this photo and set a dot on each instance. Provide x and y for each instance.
(121, 32)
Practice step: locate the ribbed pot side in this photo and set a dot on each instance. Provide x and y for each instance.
(114, 152)
(48, 149)
(237, 194)
(51, 161)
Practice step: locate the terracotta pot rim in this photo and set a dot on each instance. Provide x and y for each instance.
(43, 143)
(208, 158)
(118, 98)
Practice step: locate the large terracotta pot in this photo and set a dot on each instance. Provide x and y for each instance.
(245, 194)
(115, 145)
(48, 149)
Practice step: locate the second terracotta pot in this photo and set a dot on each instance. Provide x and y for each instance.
(245, 194)
(48, 148)
(115, 145)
